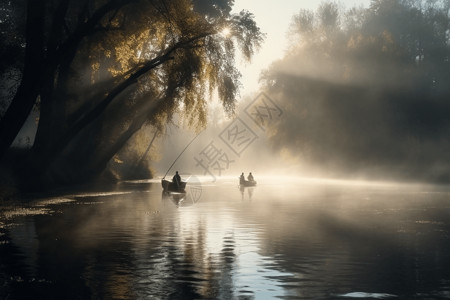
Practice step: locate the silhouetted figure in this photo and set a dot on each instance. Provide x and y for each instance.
(176, 180)
(250, 177)
(242, 178)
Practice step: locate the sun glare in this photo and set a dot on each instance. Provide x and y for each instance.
(226, 32)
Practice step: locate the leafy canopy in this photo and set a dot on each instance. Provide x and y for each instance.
(198, 59)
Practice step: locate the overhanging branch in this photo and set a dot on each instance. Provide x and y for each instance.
(96, 112)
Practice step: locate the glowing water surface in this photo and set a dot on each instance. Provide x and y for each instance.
(287, 239)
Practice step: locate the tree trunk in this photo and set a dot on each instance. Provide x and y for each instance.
(88, 154)
(29, 88)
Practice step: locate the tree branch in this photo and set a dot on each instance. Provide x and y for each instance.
(28, 90)
(58, 24)
(96, 112)
(83, 30)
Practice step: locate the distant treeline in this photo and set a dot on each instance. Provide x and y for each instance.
(366, 90)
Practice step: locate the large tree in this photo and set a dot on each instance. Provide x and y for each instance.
(366, 90)
(100, 69)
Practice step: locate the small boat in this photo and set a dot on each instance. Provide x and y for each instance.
(247, 182)
(169, 186)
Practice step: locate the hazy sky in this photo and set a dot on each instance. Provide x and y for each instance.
(274, 17)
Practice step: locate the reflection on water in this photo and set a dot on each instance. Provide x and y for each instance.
(246, 192)
(297, 240)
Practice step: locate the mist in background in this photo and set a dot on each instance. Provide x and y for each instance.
(363, 94)
(366, 91)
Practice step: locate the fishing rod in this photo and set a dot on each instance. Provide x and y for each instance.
(181, 154)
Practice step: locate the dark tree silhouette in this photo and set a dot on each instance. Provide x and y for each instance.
(100, 70)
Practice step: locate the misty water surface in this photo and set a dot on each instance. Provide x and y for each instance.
(300, 239)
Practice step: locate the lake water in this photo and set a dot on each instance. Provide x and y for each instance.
(298, 239)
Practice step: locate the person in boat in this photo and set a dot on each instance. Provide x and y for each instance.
(242, 178)
(176, 180)
(250, 177)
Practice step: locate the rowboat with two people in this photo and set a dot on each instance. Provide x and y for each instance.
(249, 182)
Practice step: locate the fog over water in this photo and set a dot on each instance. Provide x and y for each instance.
(286, 237)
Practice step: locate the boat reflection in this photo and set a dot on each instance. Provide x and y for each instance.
(189, 197)
(176, 198)
(249, 190)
